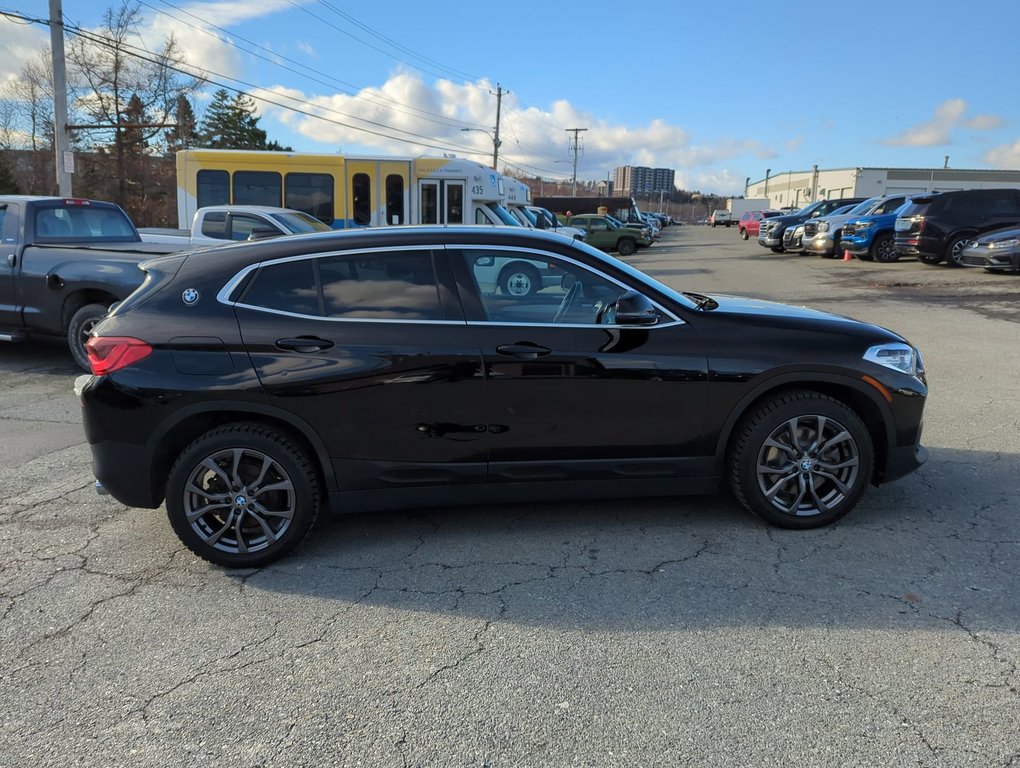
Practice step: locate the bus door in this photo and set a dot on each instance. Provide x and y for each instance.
(376, 192)
(441, 201)
(394, 203)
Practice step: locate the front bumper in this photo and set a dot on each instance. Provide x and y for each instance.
(820, 244)
(855, 247)
(770, 241)
(902, 461)
(999, 258)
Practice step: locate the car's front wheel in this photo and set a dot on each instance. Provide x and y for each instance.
(626, 246)
(955, 249)
(242, 495)
(800, 460)
(882, 249)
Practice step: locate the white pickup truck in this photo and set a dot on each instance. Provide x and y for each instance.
(217, 224)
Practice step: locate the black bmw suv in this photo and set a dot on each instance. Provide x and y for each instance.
(250, 386)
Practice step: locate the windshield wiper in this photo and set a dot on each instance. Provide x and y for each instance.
(703, 301)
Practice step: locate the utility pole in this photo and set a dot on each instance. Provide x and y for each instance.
(495, 139)
(63, 158)
(575, 131)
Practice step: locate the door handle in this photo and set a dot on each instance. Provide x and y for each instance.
(12, 260)
(523, 350)
(304, 344)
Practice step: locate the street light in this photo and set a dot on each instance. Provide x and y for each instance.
(495, 144)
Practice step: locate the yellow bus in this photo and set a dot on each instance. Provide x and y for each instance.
(343, 191)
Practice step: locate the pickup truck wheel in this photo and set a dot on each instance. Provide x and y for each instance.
(882, 249)
(837, 250)
(626, 246)
(79, 330)
(242, 495)
(800, 460)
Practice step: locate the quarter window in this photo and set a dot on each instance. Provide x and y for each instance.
(287, 287)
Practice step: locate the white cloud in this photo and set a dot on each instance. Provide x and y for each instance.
(21, 43)
(306, 49)
(938, 131)
(1004, 156)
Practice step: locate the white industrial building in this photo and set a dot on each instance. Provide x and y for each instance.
(798, 188)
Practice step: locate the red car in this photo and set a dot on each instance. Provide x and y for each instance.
(750, 222)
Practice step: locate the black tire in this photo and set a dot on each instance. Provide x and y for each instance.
(777, 250)
(955, 248)
(232, 532)
(882, 249)
(743, 234)
(519, 280)
(837, 252)
(805, 471)
(930, 259)
(80, 328)
(626, 246)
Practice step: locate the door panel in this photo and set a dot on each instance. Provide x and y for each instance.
(394, 192)
(362, 180)
(10, 312)
(565, 392)
(396, 400)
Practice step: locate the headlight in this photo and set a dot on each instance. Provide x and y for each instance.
(1005, 243)
(798, 231)
(899, 357)
(863, 224)
(823, 226)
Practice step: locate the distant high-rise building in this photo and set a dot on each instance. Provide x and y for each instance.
(638, 180)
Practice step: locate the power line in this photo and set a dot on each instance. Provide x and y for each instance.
(330, 81)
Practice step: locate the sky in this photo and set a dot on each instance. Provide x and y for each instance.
(719, 92)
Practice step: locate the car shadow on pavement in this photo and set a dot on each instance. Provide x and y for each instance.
(932, 551)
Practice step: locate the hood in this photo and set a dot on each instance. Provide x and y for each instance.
(998, 234)
(761, 312)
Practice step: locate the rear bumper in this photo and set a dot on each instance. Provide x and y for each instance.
(123, 470)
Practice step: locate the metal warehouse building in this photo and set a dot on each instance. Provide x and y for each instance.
(798, 188)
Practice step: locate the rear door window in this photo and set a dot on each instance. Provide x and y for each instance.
(392, 285)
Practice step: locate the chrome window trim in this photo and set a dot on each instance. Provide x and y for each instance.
(231, 285)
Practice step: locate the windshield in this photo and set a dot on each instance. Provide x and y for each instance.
(613, 221)
(503, 215)
(864, 207)
(807, 209)
(528, 216)
(297, 222)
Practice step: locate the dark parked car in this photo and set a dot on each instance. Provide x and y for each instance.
(997, 251)
(249, 386)
(938, 227)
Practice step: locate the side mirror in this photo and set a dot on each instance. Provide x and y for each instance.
(633, 308)
(540, 222)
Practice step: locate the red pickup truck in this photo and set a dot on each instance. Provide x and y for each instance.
(750, 223)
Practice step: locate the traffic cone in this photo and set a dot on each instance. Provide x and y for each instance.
(847, 256)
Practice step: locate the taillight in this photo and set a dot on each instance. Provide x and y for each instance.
(111, 353)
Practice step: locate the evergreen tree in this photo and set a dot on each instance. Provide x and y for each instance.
(186, 133)
(133, 139)
(249, 135)
(217, 130)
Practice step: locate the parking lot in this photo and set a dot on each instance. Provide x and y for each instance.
(610, 633)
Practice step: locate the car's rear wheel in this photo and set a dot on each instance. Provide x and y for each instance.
(626, 246)
(882, 249)
(801, 460)
(519, 280)
(955, 249)
(242, 495)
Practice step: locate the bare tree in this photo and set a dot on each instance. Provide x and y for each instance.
(114, 69)
(26, 119)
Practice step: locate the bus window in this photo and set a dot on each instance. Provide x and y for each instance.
(429, 202)
(311, 193)
(454, 203)
(361, 186)
(258, 188)
(394, 199)
(213, 188)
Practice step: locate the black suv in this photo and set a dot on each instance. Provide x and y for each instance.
(770, 235)
(250, 385)
(939, 226)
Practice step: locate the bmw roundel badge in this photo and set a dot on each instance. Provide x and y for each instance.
(190, 297)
